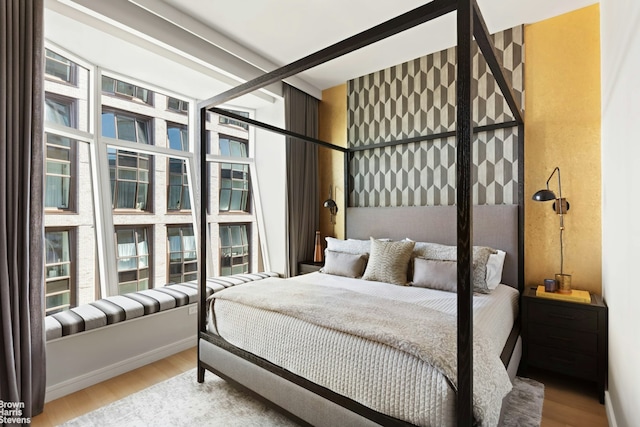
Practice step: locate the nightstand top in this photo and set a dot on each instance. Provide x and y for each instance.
(317, 264)
(596, 300)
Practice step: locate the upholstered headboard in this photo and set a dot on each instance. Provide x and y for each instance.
(493, 225)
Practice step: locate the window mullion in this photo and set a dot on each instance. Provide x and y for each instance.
(259, 220)
(105, 230)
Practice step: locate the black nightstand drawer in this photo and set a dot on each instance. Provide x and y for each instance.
(565, 339)
(577, 319)
(566, 362)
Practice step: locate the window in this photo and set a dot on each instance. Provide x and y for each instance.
(58, 272)
(130, 179)
(234, 187)
(227, 121)
(234, 178)
(118, 87)
(181, 249)
(125, 127)
(178, 105)
(133, 259)
(60, 154)
(232, 147)
(178, 188)
(59, 67)
(59, 110)
(178, 136)
(234, 249)
(142, 133)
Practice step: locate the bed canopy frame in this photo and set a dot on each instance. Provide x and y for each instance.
(470, 24)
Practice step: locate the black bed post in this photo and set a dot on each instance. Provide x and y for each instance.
(348, 156)
(202, 241)
(521, 216)
(464, 135)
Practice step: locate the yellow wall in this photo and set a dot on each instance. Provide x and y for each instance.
(562, 128)
(333, 129)
(562, 116)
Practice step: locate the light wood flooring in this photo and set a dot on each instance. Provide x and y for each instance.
(566, 402)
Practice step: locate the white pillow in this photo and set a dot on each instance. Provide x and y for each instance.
(350, 246)
(494, 269)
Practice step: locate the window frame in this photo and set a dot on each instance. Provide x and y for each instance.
(182, 251)
(149, 235)
(72, 206)
(226, 121)
(115, 179)
(246, 256)
(147, 98)
(185, 195)
(73, 291)
(73, 70)
(62, 99)
(137, 118)
(245, 192)
(182, 108)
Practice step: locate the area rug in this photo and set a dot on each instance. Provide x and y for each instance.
(181, 401)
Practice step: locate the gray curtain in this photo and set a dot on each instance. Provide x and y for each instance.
(301, 116)
(22, 342)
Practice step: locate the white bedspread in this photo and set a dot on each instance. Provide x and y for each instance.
(359, 367)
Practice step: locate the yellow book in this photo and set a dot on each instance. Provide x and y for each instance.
(575, 296)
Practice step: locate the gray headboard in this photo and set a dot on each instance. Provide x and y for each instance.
(493, 225)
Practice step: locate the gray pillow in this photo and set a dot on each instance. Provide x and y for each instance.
(450, 253)
(388, 262)
(344, 264)
(435, 274)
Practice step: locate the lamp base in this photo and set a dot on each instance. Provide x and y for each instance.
(563, 283)
(317, 250)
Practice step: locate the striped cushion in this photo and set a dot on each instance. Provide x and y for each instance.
(53, 328)
(118, 308)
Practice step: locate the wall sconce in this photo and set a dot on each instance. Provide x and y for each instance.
(561, 206)
(332, 206)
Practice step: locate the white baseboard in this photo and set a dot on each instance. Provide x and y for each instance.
(83, 381)
(611, 416)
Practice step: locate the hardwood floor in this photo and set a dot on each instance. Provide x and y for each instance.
(68, 407)
(569, 402)
(566, 402)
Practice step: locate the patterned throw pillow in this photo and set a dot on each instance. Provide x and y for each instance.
(388, 262)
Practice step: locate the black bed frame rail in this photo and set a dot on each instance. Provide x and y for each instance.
(470, 24)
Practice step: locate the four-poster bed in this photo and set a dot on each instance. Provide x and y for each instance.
(295, 393)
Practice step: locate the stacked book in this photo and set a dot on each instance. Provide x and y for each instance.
(575, 295)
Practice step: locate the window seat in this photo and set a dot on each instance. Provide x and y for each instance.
(118, 308)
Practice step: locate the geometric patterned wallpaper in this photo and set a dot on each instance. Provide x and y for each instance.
(418, 98)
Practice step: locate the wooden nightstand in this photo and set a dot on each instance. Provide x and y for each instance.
(305, 267)
(566, 337)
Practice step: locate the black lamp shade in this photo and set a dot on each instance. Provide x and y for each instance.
(329, 203)
(544, 195)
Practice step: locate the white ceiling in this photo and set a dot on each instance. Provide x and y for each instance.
(177, 44)
(286, 30)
